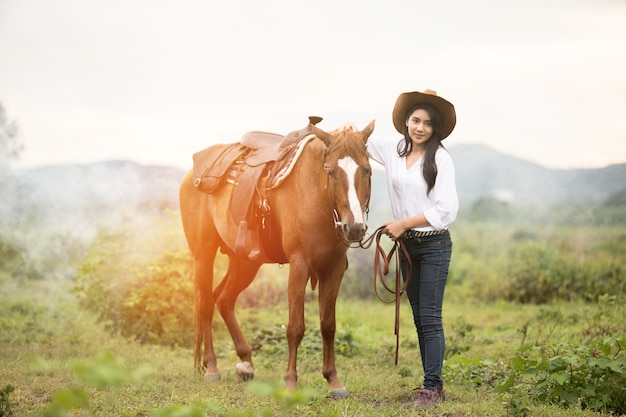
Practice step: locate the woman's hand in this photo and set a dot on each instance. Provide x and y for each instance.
(394, 229)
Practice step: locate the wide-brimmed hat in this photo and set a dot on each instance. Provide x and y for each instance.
(407, 100)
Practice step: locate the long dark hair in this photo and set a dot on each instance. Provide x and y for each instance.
(405, 146)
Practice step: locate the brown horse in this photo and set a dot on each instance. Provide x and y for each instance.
(319, 209)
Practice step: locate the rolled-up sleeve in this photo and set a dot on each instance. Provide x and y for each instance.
(444, 194)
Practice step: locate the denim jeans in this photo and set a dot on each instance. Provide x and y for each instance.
(430, 260)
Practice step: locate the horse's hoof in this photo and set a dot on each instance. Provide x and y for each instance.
(212, 377)
(338, 394)
(244, 371)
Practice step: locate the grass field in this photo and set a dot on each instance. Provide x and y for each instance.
(51, 349)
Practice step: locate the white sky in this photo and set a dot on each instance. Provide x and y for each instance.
(155, 80)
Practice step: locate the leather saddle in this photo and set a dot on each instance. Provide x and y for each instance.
(252, 166)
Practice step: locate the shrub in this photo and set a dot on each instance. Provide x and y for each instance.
(140, 285)
(5, 404)
(566, 375)
(539, 273)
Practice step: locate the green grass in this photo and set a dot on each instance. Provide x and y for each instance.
(45, 337)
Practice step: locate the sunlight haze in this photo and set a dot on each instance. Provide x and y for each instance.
(155, 81)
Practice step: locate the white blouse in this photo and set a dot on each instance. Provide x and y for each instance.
(407, 187)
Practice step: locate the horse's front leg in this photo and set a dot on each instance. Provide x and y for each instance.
(328, 290)
(298, 278)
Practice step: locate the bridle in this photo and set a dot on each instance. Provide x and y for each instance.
(337, 218)
(382, 261)
(338, 228)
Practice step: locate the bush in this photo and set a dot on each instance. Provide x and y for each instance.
(539, 273)
(140, 285)
(566, 375)
(5, 404)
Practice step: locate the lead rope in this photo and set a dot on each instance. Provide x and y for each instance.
(381, 269)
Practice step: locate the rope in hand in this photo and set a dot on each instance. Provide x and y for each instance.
(382, 261)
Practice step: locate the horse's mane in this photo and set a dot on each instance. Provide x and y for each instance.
(347, 142)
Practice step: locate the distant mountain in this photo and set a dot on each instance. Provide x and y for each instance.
(87, 198)
(482, 171)
(74, 195)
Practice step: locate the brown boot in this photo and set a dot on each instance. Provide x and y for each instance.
(427, 398)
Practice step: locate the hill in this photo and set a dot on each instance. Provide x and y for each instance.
(482, 171)
(88, 197)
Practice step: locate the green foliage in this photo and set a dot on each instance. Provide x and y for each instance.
(10, 258)
(459, 338)
(177, 410)
(271, 340)
(143, 293)
(23, 257)
(22, 321)
(105, 372)
(140, 285)
(16, 262)
(569, 375)
(475, 372)
(66, 400)
(266, 291)
(493, 209)
(109, 371)
(287, 399)
(617, 199)
(5, 403)
(494, 262)
(539, 273)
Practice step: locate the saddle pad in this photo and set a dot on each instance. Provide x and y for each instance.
(290, 162)
(285, 169)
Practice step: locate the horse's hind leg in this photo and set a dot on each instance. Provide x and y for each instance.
(205, 307)
(239, 276)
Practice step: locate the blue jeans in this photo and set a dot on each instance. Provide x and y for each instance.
(430, 260)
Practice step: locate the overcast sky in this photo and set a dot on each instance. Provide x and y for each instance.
(155, 80)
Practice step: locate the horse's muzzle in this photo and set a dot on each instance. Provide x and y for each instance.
(354, 232)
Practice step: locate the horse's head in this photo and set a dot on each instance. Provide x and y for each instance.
(348, 177)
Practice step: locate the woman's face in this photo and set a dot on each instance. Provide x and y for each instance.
(419, 126)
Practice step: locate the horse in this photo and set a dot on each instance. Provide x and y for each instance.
(319, 210)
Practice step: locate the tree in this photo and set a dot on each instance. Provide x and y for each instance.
(10, 148)
(10, 145)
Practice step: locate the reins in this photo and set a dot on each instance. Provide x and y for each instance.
(382, 262)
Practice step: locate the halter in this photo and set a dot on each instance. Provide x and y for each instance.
(337, 218)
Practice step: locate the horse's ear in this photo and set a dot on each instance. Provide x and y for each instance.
(367, 131)
(324, 136)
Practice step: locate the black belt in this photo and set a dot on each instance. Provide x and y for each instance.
(415, 234)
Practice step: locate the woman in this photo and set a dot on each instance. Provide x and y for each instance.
(424, 202)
